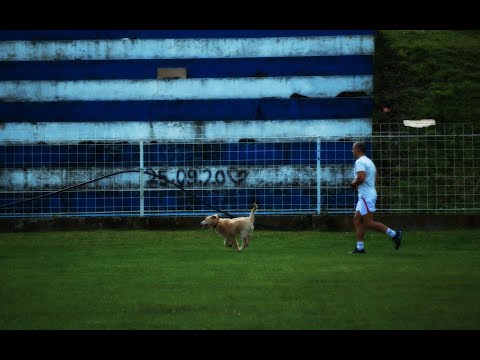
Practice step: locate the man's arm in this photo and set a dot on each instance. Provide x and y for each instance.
(361, 175)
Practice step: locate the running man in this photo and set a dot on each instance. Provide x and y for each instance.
(365, 175)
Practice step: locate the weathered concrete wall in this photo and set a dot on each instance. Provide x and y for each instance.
(74, 105)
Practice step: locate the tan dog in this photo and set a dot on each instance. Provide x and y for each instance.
(229, 228)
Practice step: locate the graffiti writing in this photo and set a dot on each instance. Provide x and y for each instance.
(164, 177)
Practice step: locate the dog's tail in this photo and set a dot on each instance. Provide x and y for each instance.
(252, 217)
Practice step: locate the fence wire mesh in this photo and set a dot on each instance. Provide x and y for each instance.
(422, 170)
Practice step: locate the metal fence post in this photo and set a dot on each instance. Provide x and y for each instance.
(142, 199)
(319, 197)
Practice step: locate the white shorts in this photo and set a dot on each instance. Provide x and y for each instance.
(365, 205)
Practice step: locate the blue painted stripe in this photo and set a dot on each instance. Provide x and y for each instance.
(185, 48)
(155, 155)
(187, 110)
(73, 202)
(196, 68)
(9, 35)
(268, 199)
(63, 155)
(168, 201)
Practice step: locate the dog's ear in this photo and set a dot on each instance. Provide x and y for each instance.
(215, 216)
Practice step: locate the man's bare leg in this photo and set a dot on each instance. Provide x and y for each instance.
(359, 232)
(372, 224)
(378, 226)
(359, 226)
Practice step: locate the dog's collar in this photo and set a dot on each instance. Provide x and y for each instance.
(215, 226)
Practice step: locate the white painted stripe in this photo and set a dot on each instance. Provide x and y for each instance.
(62, 133)
(330, 129)
(185, 48)
(253, 177)
(55, 179)
(186, 89)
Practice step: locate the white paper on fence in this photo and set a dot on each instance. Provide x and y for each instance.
(419, 123)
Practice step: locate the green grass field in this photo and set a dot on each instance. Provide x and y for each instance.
(427, 74)
(283, 280)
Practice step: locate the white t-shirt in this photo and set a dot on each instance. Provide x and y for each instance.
(367, 188)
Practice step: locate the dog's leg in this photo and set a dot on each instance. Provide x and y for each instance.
(245, 241)
(226, 242)
(234, 244)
